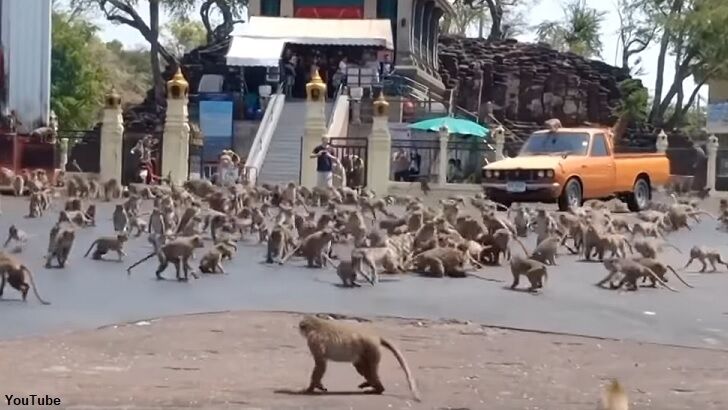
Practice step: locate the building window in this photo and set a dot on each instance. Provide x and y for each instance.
(270, 8)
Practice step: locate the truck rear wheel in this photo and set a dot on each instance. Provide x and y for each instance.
(640, 196)
(571, 196)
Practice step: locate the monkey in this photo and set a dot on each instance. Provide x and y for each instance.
(82, 186)
(440, 262)
(278, 241)
(136, 222)
(329, 340)
(469, 227)
(105, 244)
(18, 276)
(522, 221)
(187, 217)
(313, 246)
(660, 269)
(651, 215)
(211, 262)
(178, 251)
(132, 205)
(546, 250)
(614, 397)
(375, 205)
(425, 238)
(346, 271)
(723, 205)
(60, 245)
(650, 247)
(120, 218)
(498, 243)
(702, 253)
(574, 229)
(73, 204)
(71, 187)
(532, 269)
(374, 257)
(93, 189)
(544, 225)
(425, 185)
(112, 189)
(15, 234)
(18, 185)
(35, 207)
(76, 217)
(226, 249)
(631, 271)
(156, 222)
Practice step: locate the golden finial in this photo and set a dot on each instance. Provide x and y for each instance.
(381, 106)
(177, 87)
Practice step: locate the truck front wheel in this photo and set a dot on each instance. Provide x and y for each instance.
(571, 196)
(640, 196)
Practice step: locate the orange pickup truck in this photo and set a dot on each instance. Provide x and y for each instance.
(570, 165)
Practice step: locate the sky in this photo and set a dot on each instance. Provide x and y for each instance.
(544, 10)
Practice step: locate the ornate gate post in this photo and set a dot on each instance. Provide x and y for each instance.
(176, 139)
(444, 135)
(112, 133)
(315, 128)
(379, 151)
(712, 148)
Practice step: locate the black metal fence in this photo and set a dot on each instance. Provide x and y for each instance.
(83, 150)
(346, 149)
(423, 156)
(466, 159)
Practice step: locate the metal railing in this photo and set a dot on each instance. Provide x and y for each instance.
(423, 157)
(259, 148)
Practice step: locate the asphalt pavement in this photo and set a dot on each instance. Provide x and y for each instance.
(88, 294)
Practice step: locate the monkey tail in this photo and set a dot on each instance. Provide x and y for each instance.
(668, 244)
(32, 283)
(91, 247)
(293, 252)
(403, 363)
(679, 277)
(128, 270)
(518, 241)
(701, 212)
(662, 282)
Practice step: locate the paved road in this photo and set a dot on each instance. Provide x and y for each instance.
(90, 293)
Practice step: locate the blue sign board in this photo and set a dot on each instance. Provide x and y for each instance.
(216, 123)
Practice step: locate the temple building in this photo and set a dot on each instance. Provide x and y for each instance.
(414, 27)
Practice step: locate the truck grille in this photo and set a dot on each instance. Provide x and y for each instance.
(518, 175)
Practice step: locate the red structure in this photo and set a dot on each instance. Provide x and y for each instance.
(18, 152)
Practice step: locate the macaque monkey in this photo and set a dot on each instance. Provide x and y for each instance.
(73, 204)
(35, 205)
(18, 276)
(105, 244)
(650, 247)
(703, 253)
(660, 270)
(211, 262)
(18, 185)
(521, 220)
(93, 189)
(178, 252)
(17, 235)
(112, 190)
(329, 340)
(534, 270)
(631, 271)
(120, 218)
(425, 185)
(137, 223)
(226, 249)
(614, 397)
(91, 214)
(278, 241)
(62, 238)
(313, 247)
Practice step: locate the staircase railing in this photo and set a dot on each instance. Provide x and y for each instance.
(259, 148)
(330, 114)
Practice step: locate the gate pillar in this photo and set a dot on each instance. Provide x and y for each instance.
(112, 133)
(176, 139)
(379, 151)
(315, 128)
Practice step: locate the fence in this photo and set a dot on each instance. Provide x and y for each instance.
(84, 150)
(345, 149)
(466, 159)
(423, 155)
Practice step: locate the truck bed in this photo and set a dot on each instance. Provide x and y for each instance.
(629, 166)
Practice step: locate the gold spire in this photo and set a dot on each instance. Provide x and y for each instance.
(381, 106)
(316, 88)
(177, 87)
(112, 98)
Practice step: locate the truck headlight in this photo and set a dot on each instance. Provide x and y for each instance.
(550, 173)
(540, 174)
(489, 174)
(496, 174)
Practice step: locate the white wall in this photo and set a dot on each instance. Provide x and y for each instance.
(26, 37)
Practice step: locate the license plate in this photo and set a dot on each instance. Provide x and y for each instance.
(516, 186)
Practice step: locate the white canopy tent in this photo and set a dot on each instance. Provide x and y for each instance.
(261, 40)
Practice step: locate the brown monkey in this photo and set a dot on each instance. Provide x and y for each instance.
(534, 270)
(136, 222)
(425, 185)
(660, 270)
(439, 262)
(77, 217)
(93, 188)
(60, 245)
(35, 205)
(18, 276)
(71, 187)
(631, 271)
(313, 247)
(226, 249)
(133, 205)
(73, 204)
(105, 244)
(18, 185)
(120, 218)
(346, 271)
(328, 340)
(385, 257)
(702, 253)
(278, 241)
(15, 234)
(178, 252)
(521, 220)
(498, 243)
(614, 397)
(649, 248)
(211, 262)
(546, 250)
(91, 214)
(112, 189)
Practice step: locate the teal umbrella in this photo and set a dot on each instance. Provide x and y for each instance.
(455, 125)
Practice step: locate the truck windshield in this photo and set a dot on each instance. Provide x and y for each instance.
(556, 143)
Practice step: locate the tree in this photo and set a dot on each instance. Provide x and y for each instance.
(637, 29)
(127, 70)
(578, 32)
(466, 17)
(230, 13)
(77, 78)
(506, 16)
(694, 32)
(182, 36)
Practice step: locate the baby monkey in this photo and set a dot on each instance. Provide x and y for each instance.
(17, 235)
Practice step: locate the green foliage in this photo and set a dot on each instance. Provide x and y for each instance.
(578, 32)
(635, 100)
(77, 77)
(184, 35)
(127, 70)
(465, 19)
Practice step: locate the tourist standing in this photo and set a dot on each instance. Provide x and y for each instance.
(325, 160)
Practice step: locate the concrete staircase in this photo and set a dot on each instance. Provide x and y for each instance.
(282, 163)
